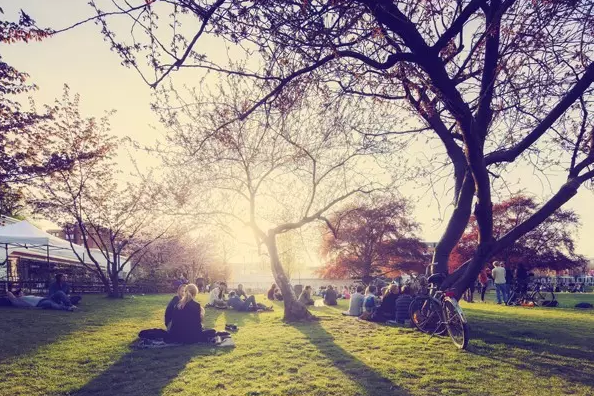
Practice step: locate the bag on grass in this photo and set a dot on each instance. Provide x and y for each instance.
(584, 305)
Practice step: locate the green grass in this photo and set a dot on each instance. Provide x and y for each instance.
(513, 351)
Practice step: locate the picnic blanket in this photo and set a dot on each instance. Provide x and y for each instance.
(217, 342)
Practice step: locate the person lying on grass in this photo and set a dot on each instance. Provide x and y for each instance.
(330, 296)
(19, 300)
(173, 303)
(249, 305)
(305, 296)
(356, 303)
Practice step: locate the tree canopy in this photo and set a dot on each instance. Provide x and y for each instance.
(549, 246)
(372, 239)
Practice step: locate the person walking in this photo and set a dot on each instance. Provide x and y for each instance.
(500, 284)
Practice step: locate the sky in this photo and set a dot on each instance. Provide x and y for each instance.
(81, 59)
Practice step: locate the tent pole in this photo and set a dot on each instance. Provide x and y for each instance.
(7, 262)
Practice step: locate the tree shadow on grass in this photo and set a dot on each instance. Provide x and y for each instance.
(552, 349)
(146, 372)
(372, 382)
(25, 330)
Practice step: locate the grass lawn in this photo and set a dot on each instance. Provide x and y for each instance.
(513, 351)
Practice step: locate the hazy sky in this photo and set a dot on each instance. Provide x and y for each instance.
(83, 60)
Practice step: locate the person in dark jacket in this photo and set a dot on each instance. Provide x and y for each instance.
(173, 303)
(59, 292)
(386, 309)
(186, 320)
(330, 296)
(274, 293)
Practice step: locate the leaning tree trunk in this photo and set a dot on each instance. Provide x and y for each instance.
(294, 310)
(456, 226)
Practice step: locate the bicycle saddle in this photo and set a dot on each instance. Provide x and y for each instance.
(436, 278)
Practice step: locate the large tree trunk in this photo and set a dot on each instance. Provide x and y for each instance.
(456, 226)
(294, 310)
(114, 290)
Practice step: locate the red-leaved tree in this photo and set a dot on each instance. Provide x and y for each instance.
(548, 246)
(367, 240)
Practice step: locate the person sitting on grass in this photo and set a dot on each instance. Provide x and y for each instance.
(331, 296)
(369, 304)
(305, 296)
(247, 305)
(19, 300)
(274, 293)
(186, 320)
(356, 303)
(386, 309)
(345, 293)
(59, 291)
(216, 298)
(173, 303)
(240, 292)
(401, 313)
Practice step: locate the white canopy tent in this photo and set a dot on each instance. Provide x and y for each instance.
(24, 239)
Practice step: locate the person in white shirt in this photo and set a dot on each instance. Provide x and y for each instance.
(356, 303)
(498, 274)
(19, 300)
(216, 298)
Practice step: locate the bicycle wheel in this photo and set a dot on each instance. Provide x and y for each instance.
(541, 297)
(424, 313)
(456, 323)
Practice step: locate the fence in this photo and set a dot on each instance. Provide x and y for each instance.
(42, 287)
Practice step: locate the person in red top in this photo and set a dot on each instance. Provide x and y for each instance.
(484, 281)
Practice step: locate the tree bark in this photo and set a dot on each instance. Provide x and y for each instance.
(456, 226)
(294, 310)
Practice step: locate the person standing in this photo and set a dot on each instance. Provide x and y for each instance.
(484, 282)
(500, 283)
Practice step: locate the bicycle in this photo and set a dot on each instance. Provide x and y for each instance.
(536, 294)
(438, 312)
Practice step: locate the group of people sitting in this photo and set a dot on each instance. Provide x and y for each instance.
(58, 297)
(392, 306)
(237, 299)
(329, 297)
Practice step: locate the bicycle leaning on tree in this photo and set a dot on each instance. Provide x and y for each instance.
(438, 312)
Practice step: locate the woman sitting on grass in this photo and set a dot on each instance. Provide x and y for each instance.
(305, 296)
(173, 303)
(216, 297)
(186, 320)
(386, 309)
